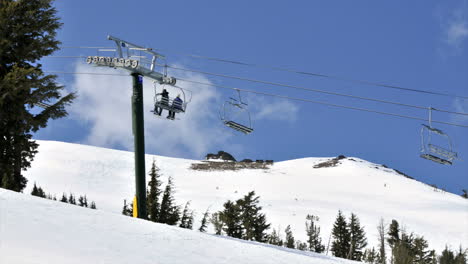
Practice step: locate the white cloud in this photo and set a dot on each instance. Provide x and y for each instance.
(274, 109)
(104, 102)
(462, 107)
(455, 27)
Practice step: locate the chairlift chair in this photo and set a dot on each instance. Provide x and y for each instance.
(234, 113)
(169, 103)
(432, 152)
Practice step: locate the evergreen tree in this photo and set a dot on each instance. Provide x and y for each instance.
(382, 256)
(127, 209)
(93, 205)
(275, 239)
(393, 233)
(153, 193)
(64, 198)
(204, 221)
(169, 212)
(301, 245)
(71, 199)
(422, 255)
(402, 250)
(313, 235)
(461, 256)
(358, 238)
(81, 201)
(27, 34)
(232, 220)
(187, 217)
(253, 222)
(37, 191)
(341, 237)
(217, 223)
(371, 256)
(289, 243)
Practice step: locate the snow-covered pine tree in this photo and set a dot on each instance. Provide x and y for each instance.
(314, 240)
(81, 201)
(93, 205)
(358, 239)
(289, 241)
(186, 217)
(127, 209)
(341, 237)
(153, 193)
(204, 221)
(28, 32)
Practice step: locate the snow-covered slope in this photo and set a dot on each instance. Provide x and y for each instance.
(289, 190)
(36, 230)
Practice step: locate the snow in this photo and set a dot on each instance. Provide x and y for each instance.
(289, 190)
(36, 230)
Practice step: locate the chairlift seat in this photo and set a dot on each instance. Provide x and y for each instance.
(436, 159)
(238, 127)
(168, 104)
(450, 155)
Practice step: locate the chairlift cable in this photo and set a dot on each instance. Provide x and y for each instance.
(296, 87)
(312, 90)
(279, 96)
(323, 103)
(335, 77)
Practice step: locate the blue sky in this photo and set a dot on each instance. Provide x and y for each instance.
(417, 44)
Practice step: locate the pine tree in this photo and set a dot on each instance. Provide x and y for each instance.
(169, 212)
(187, 215)
(37, 191)
(464, 194)
(127, 209)
(71, 199)
(81, 201)
(204, 221)
(28, 34)
(382, 256)
(34, 190)
(275, 239)
(341, 237)
(358, 238)
(93, 205)
(217, 223)
(393, 233)
(289, 242)
(461, 256)
(64, 198)
(301, 245)
(253, 222)
(153, 193)
(371, 256)
(232, 219)
(313, 235)
(422, 255)
(447, 256)
(402, 250)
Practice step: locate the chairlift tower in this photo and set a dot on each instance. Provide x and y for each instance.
(140, 62)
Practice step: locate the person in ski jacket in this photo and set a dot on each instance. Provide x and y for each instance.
(164, 100)
(177, 105)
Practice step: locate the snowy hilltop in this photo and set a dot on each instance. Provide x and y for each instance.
(288, 190)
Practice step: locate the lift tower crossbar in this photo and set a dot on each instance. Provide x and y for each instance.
(139, 66)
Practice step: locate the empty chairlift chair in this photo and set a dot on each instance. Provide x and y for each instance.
(430, 151)
(235, 114)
